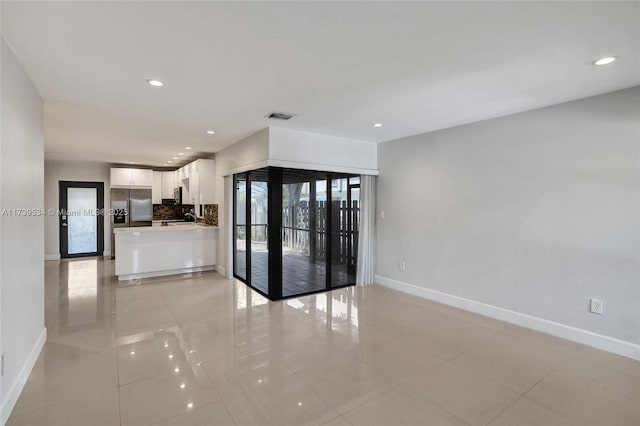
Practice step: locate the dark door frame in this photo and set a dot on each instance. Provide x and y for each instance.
(63, 218)
(274, 236)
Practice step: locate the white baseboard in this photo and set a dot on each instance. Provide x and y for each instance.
(129, 277)
(57, 256)
(16, 388)
(599, 341)
(221, 270)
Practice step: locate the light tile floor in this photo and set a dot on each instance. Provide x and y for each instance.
(204, 350)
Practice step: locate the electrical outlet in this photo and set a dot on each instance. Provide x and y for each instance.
(402, 266)
(2, 364)
(382, 214)
(596, 306)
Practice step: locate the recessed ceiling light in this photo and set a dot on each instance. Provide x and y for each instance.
(164, 164)
(168, 161)
(211, 132)
(130, 162)
(155, 83)
(605, 61)
(181, 153)
(187, 147)
(377, 124)
(175, 158)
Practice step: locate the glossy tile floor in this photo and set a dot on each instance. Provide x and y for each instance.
(299, 275)
(204, 350)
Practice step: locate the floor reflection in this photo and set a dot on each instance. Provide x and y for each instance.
(82, 281)
(83, 296)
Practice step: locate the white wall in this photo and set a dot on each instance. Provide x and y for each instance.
(250, 153)
(247, 154)
(534, 213)
(56, 171)
(314, 151)
(22, 245)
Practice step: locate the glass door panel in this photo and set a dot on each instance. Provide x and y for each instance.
(83, 220)
(303, 266)
(259, 262)
(345, 215)
(240, 231)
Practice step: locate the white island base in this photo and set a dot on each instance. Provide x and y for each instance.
(154, 251)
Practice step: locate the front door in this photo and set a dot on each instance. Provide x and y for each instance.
(81, 219)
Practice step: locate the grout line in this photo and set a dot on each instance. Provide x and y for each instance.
(115, 329)
(546, 375)
(505, 409)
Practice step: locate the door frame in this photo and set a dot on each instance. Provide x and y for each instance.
(274, 233)
(63, 222)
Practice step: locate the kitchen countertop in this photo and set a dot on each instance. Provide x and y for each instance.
(151, 251)
(172, 226)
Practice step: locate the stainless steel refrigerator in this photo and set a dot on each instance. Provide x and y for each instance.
(129, 208)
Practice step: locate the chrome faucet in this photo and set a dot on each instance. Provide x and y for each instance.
(195, 219)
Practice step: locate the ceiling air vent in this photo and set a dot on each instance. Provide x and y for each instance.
(280, 116)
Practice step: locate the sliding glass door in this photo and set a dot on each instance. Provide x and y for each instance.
(240, 226)
(344, 224)
(296, 231)
(258, 214)
(304, 218)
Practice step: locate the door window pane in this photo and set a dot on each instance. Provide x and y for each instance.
(259, 232)
(303, 263)
(241, 227)
(82, 220)
(345, 217)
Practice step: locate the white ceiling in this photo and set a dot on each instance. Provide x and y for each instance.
(339, 66)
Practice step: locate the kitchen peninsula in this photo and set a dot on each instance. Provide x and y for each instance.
(158, 250)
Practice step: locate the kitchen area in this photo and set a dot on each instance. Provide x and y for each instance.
(163, 222)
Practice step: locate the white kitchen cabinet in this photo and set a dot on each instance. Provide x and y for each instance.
(168, 184)
(156, 189)
(142, 178)
(202, 183)
(194, 186)
(207, 175)
(120, 178)
(131, 178)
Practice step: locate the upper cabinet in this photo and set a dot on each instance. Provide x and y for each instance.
(131, 178)
(197, 182)
(168, 184)
(202, 184)
(206, 181)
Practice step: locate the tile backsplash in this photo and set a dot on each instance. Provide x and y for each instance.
(209, 214)
(162, 212)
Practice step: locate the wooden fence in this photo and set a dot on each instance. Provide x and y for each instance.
(302, 234)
